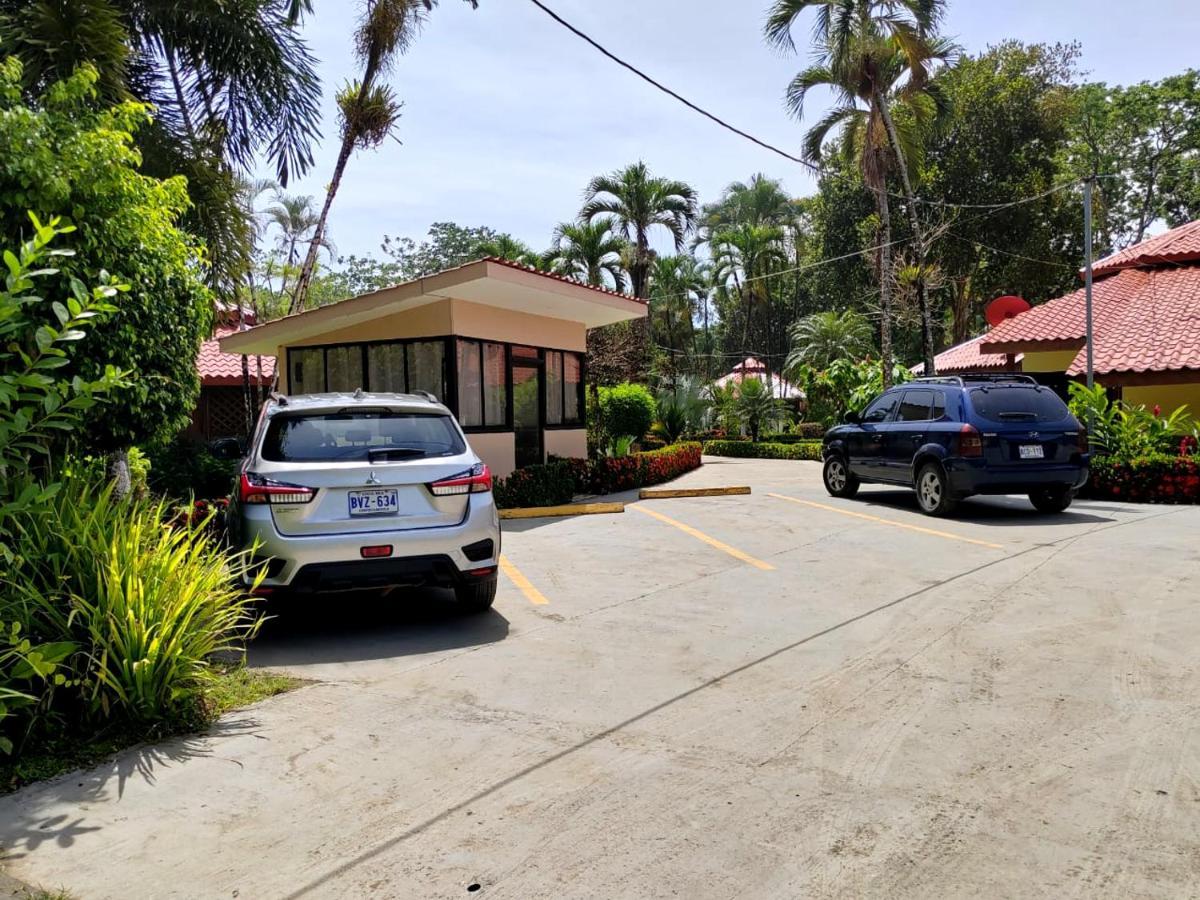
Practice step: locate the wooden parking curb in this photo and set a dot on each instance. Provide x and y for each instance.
(576, 509)
(671, 494)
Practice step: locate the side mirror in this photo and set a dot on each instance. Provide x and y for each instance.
(852, 418)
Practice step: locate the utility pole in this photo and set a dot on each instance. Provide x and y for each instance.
(1087, 274)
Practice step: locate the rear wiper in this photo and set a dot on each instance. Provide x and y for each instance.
(1018, 415)
(386, 453)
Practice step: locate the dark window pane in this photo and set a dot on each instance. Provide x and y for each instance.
(939, 406)
(344, 368)
(915, 406)
(495, 385)
(307, 374)
(572, 376)
(881, 408)
(1018, 404)
(426, 369)
(470, 385)
(385, 368)
(554, 388)
(352, 436)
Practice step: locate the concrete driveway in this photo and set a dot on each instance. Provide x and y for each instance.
(776, 695)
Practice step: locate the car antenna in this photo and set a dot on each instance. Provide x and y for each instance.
(358, 393)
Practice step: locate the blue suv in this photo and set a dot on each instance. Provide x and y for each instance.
(949, 438)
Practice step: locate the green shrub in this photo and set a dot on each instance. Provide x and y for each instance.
(143, 594)
(808, 450)
(1160, 478)
(800, 433)
(559, 480)
(551, 484)
(1121, 431)
(627, 409)
(186, 468)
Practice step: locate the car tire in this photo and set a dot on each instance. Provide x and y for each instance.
(1051, 500)
(839, 480)
(476, 596)
(933, 491)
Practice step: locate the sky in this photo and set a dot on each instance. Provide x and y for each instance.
(507, 115)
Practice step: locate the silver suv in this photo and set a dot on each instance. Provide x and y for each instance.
(350, 491)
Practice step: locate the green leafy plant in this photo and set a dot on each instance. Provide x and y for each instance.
(551, 484)
(619, 447)
(1125, 432)
(808, 450)
(757, 408)
(627, 409)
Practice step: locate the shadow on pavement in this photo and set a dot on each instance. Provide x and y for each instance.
(1001, 510)
(367, 625)
(31, 826)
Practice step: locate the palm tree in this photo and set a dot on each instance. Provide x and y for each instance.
(821, 338)
(505, 246)
(369, 110)
(228, 81)
(896, 34)
(746, 256)
(590, 252)
(295, 217)
(756, 406)
(677, 285)
(759, 201)
(640, 202)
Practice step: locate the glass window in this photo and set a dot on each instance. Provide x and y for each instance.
(495, 385)
(470, 385)
(525, 352)
(360, 436)
(554, 388)
(307, 374)
(1013, 403)
(939, 406)
(426, 367)
(572, 387)
(881, 408)
(385, 368)
(915, 406)
(343, 368)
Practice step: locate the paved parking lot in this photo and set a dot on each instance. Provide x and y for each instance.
(775, 695)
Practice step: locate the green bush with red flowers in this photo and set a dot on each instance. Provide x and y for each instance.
(1160, 478)
(559, 480)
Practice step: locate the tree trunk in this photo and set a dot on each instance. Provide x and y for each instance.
(314, 247)
(914, 221)
(118, 472)
(885, 283)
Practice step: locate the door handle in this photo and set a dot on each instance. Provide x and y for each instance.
(916, 438)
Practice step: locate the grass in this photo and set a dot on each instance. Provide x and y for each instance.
(236, 686)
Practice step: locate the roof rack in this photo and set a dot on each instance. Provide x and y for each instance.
(961, 380)
(279, 398)
(428, 396)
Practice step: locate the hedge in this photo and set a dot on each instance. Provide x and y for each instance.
(801, 431)
(808, 450)
(1153, 479)
(558, 481)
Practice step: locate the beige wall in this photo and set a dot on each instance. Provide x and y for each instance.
(567, 443)
(1048, 361)
(491, 323)
(1169, 396)
(430, 320)
(497, 449)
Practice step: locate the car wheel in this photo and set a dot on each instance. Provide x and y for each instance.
(1051, 500)
(933, 491)
(476, 596)
(839, 480)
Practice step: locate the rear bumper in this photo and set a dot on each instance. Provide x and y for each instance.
(971, 476)
(333, 562)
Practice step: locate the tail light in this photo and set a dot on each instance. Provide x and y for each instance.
(1081, 441)
(476, 480)
(970, 442)
(256, 489)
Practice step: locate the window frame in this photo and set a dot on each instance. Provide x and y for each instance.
(894, 396)
(928, 407)
(581, 391)
(450, 375)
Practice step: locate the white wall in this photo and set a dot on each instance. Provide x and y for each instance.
(570, 442)
(497, 449)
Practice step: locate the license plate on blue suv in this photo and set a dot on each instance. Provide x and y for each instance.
(1032, 451)
(374, 503)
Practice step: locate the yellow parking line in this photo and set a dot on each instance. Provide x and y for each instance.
(517, 577)
(711, 541)
(877, 519)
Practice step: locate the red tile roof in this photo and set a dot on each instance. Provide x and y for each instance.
(219, 369)
(1145, 320)
(967, 357)
(1178, 245)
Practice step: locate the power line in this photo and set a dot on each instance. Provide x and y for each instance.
(666, 90)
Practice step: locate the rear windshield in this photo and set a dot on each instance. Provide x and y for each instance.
(360, 436)
(1018, 404)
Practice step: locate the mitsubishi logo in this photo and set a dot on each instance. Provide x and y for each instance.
(372, 478)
